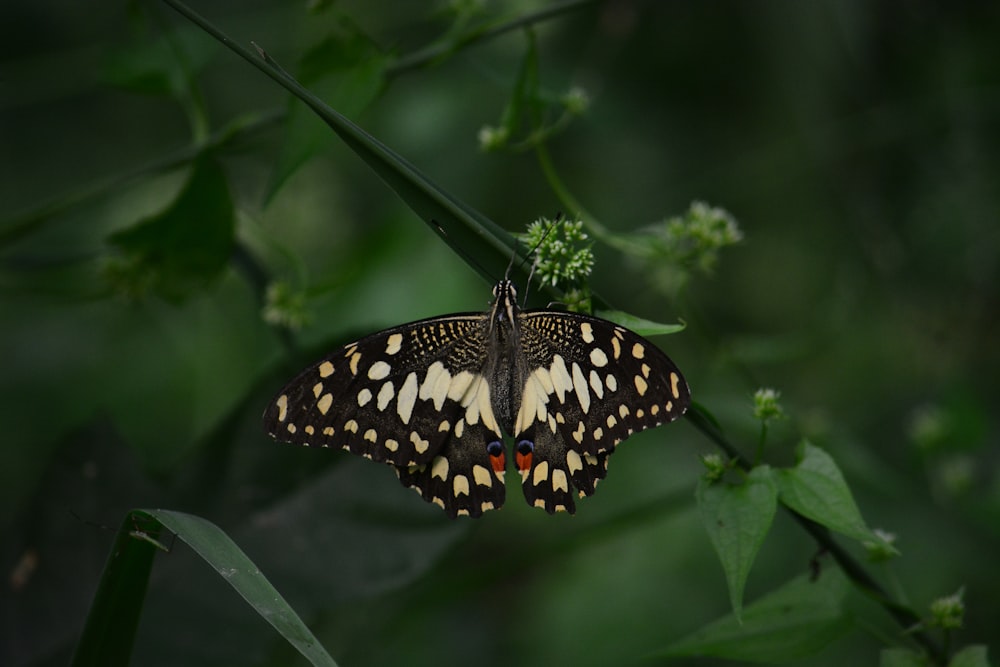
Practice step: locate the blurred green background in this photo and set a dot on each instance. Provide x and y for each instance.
(858, 145)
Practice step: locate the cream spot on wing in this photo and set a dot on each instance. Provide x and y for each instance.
(639, 414)
(364, 396)
(596, 385)
(533, 400)
(391, 445)
(460, 485)
(623, 411)
(540, 502)
(393, 343)
(419, 444)
(459, 428)
(645, 370)
(435, 385)
(291, 428)
(587, 332)
(351, 426)
(611, 382)
(541, 473)
(437, 501)
(482, 476)
(616, 347)
(328, 431)
(385, 395)
(379, 371)
(573, 462)
(309, 429)
(578, 433)
(598, 358)
(562, 383)
(654, 409)
(580, 385)
(355, 358)
(640, 385)
(407, 398)
(670, 406)
(444, 426)
(282, 405)
(560, 419)
(638, 351)
(439, 468)
(317, 389)
(324, 403)
(598, 433)
(675, 380)
(325, 369)
(612, 421)
(459, 386)
(559, 481)
(371, 435)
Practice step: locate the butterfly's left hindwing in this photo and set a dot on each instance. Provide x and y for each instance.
(589, 385)
(413, 396)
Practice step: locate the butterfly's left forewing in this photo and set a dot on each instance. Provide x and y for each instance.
(413, 396)
(588, 385)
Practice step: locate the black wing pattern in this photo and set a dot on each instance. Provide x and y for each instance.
(413, 396)
(588, 385)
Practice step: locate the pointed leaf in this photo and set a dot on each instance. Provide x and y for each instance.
(815, 488)
(348, 72)
(795, 621)
(223, 555)
(641, 326)
(737, 518)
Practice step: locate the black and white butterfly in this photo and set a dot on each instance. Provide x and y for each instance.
(434, 398)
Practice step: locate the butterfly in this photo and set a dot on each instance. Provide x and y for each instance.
(433, 399)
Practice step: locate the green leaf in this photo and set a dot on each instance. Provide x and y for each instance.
(151, 64)
(795, 621)
(347, 71)
(110, 628)
(183, 248)
(971, 656)
(641, 326)
(109, 631)
(469, 232)
(223, 555)
(815, 488)
(737, 518)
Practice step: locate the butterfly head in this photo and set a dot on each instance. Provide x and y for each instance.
(505, 302)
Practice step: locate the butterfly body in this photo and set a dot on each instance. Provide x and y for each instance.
(434, 398)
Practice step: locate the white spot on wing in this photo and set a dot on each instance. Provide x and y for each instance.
(393, 344)
(580, 385)
(379, 371)
(439, 468)
(385, 395)
(541, 473)
(407, 398)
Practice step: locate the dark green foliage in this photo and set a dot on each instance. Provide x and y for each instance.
(849, 149)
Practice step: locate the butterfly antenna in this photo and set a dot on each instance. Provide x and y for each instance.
(534, 251)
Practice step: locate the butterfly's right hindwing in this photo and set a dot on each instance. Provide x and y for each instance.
(413, 396)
